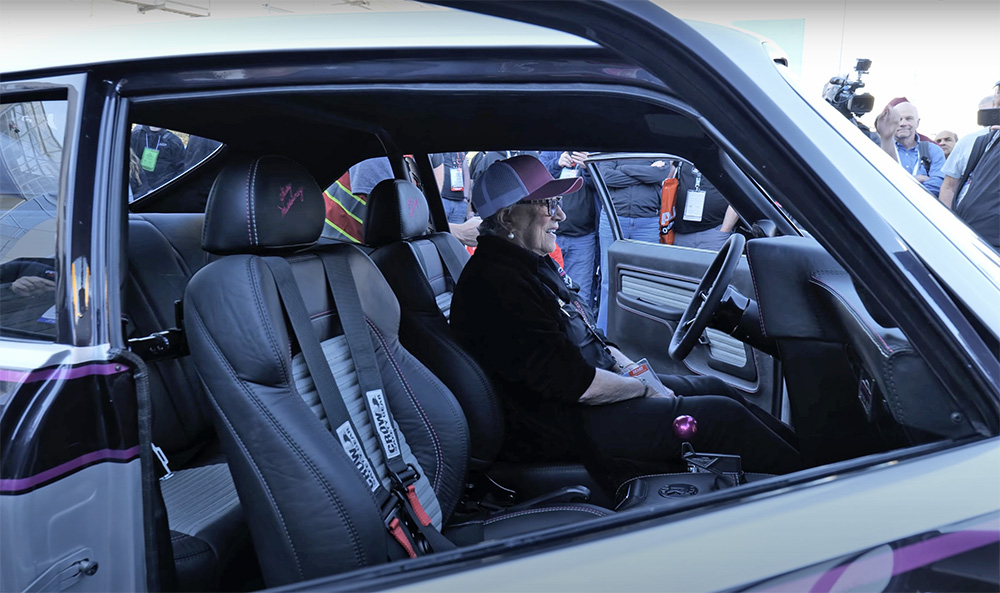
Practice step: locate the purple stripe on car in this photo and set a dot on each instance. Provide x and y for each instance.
(60, 373)
(854, 574)
(14, 485)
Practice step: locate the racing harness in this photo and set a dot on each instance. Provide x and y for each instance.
(405, 519)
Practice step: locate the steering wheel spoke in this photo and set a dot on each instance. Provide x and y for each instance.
(707, 298)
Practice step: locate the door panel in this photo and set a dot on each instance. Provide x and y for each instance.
(650, 286)
(72, 461)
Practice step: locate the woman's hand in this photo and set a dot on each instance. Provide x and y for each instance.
(608, 388)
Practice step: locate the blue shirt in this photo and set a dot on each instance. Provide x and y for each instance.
(910, 161)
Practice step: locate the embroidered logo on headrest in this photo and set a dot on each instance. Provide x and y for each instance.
(287, 198)
(411, 203)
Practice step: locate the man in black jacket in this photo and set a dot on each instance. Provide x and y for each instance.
(635, 186)
(161, 156)
(577, 234)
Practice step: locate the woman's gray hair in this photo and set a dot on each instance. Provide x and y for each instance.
(491, 225)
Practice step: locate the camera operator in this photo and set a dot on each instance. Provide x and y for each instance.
(954, 166)
(979, 206)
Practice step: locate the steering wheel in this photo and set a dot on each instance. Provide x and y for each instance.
(707, 297)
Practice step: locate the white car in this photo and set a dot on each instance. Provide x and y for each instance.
(161, 427)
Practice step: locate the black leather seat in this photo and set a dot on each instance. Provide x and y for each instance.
(207, 530)
(309, 510)
(412, 259)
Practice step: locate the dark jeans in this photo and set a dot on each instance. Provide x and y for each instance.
(636, 436)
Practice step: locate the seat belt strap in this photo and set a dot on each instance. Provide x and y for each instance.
(451, 260)
(329, 394)
(352, 318)
(340, 278)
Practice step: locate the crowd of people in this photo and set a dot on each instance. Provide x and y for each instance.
(963, 173)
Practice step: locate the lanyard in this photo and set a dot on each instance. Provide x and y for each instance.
(697, 180)
(158, 139)
(586, 321)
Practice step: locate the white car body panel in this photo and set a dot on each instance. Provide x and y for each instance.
(278, 33)
(753, 540)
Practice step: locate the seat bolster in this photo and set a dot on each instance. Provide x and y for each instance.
(406, 275)
(424, 331)
(430, 417)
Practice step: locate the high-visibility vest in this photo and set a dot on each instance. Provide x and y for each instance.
(345, 211)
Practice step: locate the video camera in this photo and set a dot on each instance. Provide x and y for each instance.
(842, 92)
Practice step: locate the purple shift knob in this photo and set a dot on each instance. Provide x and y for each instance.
(685, 427)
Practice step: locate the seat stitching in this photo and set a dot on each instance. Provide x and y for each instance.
(869, 331)
(251, 203)
(192, 556)
(515, 514)
(254, 281)
(760, 304)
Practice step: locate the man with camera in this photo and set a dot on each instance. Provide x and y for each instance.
(897, 132)
(954, 167)
(978, 203)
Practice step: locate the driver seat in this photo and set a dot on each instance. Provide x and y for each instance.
(310, 511)
(414, 260)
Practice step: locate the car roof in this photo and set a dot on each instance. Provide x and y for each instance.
(354, 82)
(438, 27)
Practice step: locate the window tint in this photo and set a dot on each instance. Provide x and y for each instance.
(158, 155)
(31, 140)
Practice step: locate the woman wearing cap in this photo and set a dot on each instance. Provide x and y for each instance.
(520, 317)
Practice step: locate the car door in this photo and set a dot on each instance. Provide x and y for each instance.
(71, 495)
(647, 283)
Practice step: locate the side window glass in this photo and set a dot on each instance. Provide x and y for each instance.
(31, 142)
(158, 155)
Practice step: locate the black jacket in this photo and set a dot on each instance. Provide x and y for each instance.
(635, 186)
(714, 210)
(541, 357)
(580, 207)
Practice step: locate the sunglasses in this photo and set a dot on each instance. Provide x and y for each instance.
(551, 204)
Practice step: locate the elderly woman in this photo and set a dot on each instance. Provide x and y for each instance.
(565, 398)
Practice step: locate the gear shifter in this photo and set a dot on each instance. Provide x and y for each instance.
(685, 427)
(728, 467)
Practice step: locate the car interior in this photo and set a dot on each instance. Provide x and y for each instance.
(248, 443)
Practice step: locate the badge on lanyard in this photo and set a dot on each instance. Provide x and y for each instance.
(568, 173)
(694, 203)
(149, 156)
(457, 180)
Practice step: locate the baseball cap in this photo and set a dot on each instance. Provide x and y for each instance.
(522, 177)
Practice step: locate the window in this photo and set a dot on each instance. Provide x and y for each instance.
(31, 142)
(158, 155)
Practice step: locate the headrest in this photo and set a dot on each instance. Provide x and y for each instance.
(396, 210)
(262, 204)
